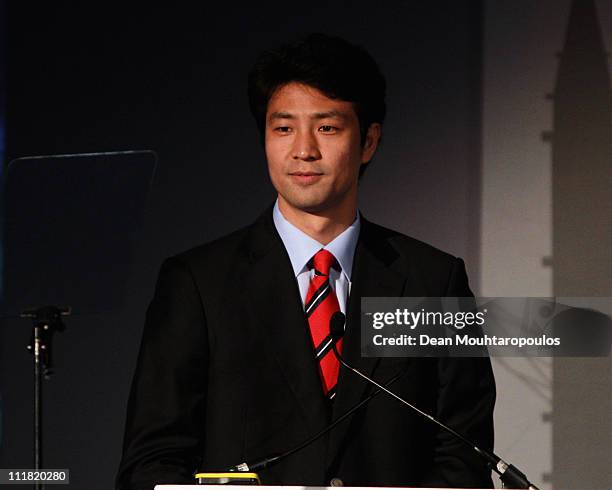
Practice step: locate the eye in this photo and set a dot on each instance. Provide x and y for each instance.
(282, 129)
(328, 129)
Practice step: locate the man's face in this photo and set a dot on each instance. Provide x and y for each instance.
(313, 149)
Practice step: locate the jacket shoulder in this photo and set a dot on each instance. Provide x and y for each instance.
(216, 254)
(409, 247)
(437, 272)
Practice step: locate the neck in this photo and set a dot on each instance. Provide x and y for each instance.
(324, 225)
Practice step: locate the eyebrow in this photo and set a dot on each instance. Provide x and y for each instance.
(317, 115)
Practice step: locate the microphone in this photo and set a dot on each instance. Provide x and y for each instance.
(510, 476)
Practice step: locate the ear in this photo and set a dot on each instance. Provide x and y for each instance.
(371, 142)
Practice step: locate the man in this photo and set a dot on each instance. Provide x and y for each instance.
(235, 363)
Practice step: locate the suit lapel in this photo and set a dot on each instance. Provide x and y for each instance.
(373, 275)
(273, 299)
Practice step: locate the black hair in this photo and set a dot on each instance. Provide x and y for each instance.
(337, 68)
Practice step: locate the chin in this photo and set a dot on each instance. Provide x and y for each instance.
(311, 205)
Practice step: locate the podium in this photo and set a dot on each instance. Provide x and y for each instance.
(271, 487)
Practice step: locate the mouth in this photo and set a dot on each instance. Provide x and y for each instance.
(305, 177)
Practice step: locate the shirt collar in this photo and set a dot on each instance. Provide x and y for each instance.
(302, 247)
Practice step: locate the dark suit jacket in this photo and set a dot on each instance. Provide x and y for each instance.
(226, 373)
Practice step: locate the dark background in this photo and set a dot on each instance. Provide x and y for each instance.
(85, 78)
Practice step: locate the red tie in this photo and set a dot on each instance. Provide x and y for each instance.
(321, 304)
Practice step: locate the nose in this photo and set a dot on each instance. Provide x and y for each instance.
(305, 148)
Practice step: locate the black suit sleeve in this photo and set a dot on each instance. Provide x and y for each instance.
(466, 396)
(166, 408)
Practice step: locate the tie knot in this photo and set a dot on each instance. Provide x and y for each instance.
(322, 261)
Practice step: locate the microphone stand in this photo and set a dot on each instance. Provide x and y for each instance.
(510, 476)
(264, 463)
(46, 321)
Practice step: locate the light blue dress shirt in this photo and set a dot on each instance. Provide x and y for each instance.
(301, 248)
